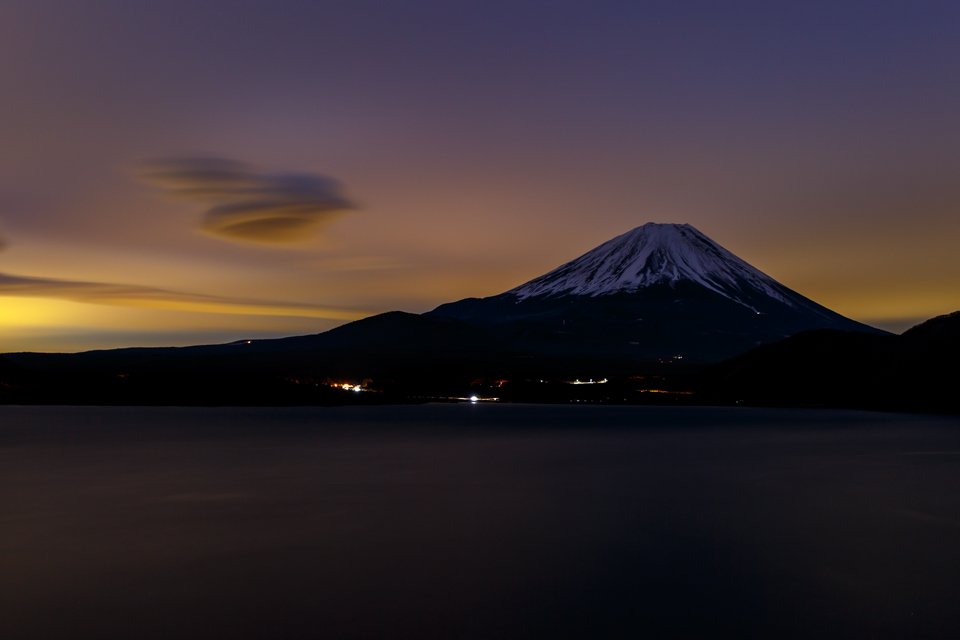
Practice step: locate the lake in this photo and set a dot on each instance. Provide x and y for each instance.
(477, 521)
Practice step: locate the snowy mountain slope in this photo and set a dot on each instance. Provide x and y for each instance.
(647, 255)
(655, 290)
(657, 254)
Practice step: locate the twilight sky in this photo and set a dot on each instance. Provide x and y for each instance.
(194, 171)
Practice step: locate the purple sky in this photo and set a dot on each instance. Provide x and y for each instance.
(180, 172)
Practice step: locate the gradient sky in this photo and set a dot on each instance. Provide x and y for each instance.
(183, 172)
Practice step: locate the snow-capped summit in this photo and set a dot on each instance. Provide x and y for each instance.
(653, 254)
(660, 290)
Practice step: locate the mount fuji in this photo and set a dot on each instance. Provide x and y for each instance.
(659, 292)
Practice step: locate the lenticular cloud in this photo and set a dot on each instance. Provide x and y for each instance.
(247, 205)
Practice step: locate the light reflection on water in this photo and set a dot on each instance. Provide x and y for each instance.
(477, 521)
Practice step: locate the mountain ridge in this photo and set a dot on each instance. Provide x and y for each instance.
(647, 255)
(657, 291)
(658, 296)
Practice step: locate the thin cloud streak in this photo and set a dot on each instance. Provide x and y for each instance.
(149, 297)
(249, 206)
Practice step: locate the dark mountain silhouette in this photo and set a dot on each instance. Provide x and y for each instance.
(12, 374)
(385, 343)
(915, 371)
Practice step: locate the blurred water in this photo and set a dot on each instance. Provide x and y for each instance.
(477, 521)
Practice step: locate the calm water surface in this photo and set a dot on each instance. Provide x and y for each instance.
(462, 521)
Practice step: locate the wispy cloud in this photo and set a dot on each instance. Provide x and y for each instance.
(246, 205)
(138, 296)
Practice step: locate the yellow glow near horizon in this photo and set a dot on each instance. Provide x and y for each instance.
(881, 303)
(43, 324)
(29, 313)
(237, 308)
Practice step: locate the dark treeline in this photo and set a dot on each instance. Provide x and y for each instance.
(411, 359)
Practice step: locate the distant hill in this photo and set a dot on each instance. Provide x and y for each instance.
(915, 371)
(389, 343)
